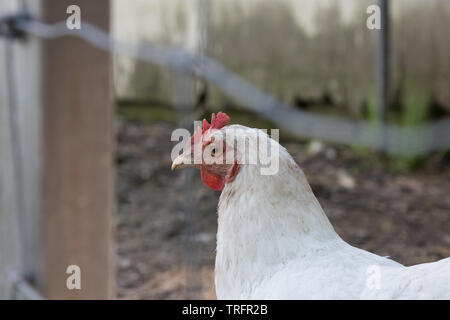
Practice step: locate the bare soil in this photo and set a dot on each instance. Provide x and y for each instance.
(166, 221)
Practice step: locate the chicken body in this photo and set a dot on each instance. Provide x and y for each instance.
(275, 242)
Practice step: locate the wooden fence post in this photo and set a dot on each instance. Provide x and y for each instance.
(78, 156)
(56, 151)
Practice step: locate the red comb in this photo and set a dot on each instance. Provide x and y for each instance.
(216, 123)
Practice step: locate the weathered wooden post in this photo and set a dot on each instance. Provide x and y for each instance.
(56, 151)
(78, 156)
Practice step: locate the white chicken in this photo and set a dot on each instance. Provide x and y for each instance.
(275, 242)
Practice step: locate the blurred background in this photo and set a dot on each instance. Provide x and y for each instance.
(158, 227)
(317, 56)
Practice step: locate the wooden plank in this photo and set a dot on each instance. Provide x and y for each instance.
(78, 163)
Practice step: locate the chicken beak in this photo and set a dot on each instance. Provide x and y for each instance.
(182, 161)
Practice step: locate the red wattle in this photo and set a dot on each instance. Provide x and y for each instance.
(213, 180)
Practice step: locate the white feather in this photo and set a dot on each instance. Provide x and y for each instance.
(275, 242)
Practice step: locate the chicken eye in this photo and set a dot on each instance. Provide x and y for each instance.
(213, 151)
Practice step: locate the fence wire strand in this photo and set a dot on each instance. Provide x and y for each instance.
(408, 141)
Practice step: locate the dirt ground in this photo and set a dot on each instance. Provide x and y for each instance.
(166, 232)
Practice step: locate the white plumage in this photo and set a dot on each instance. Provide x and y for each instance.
(275, 242)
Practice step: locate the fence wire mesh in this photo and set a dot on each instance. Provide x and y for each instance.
(409, 141)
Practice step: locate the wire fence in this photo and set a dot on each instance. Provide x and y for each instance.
(17, 287)
(394, 139)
